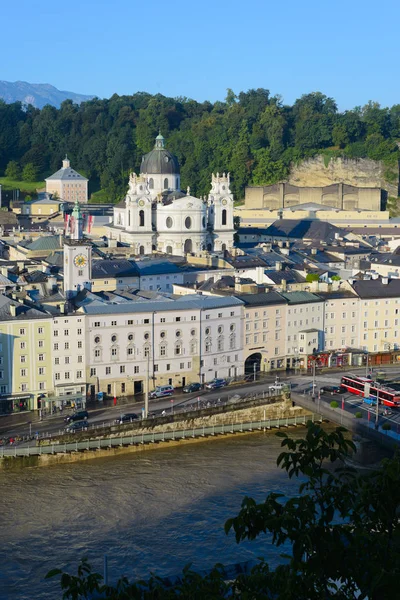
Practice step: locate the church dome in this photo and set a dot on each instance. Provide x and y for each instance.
(159, 161)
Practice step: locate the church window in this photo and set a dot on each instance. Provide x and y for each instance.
(163, 350)
(188, 222)
(166, 183)
(224, 217)
(151, 183)
(80, 273)
(177, 182)
(204, 222)
(223, 247)
(169, 222)
(141, 218)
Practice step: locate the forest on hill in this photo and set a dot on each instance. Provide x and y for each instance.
(253, 135)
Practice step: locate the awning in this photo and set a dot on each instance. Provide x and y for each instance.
(16, 397)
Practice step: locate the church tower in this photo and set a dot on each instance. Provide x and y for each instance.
(220, 212)
(77, 256)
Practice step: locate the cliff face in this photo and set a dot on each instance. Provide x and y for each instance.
(362, 172)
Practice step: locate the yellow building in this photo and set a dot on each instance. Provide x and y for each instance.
(41, 209)
(25, 356)
(67, 184)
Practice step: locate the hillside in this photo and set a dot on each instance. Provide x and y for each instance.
(37, 94)
(253, 135)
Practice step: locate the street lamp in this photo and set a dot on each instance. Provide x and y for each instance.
(377, 406)
(254, 371)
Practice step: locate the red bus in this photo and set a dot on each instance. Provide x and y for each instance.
(356, 385)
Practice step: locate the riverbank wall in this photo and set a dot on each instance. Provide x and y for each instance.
(195, 427)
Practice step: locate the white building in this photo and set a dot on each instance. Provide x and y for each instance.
(156, 215)
(68, 355)
(193, 338)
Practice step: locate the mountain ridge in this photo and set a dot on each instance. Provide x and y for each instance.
(38, 94)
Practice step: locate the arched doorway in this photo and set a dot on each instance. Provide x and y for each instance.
(188, 247)
(141, 249)
(169, 249)
(253, 359)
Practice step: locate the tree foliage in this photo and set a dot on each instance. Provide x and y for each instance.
(252, 134)
(339, 536)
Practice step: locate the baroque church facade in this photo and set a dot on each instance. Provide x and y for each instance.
(156, 216)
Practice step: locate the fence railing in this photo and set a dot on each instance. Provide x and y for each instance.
(154, 437)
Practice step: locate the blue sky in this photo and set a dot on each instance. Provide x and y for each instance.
(346, 49)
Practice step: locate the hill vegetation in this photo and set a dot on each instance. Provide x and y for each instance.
(253, 135)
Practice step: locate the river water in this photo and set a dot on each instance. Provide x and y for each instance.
(150, 511)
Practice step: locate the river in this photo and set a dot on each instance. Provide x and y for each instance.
(149, 511)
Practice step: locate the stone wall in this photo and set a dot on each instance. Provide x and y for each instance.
(362, 172)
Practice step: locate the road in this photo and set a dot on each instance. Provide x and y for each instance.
(18, 425)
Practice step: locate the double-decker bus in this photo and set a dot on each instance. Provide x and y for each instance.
(360, 385)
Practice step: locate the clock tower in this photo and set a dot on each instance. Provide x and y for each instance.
(77, 256)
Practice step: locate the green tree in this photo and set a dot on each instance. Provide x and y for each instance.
(13, 170)
(312, 277)
(29, 172)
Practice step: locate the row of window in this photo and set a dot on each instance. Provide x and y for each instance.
(264, 324)
(67, 360)
(56, 332)
(25, 386)
(344, 329)
(162, 320)
(67, 375)
(57, 346)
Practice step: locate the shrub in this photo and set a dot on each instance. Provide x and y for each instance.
(386, 426)
(358, 415)
(334, 404)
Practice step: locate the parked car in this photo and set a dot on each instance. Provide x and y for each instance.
(330, 389)
(192, 387)
(77, 426)
(82, 415)
(162, 390)
(127, 418)
(216, 383)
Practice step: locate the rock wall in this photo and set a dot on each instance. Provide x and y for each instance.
(362, 172)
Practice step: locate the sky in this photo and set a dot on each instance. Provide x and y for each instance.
(348, 50)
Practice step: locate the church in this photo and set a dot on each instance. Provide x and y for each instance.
(156, 216)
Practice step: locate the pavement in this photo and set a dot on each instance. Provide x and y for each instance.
(29, 424)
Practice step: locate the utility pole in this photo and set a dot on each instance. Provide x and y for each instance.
(254, 371)
(146, 395)
(377, 407)
(313, 382)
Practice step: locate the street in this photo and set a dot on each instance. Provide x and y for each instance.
(28, 424)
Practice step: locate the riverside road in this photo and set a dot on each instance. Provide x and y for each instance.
(25, 424)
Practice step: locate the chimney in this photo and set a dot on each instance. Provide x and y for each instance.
(385, 280)
(278, 266)
(283, 285)
(4, 271)
(13, 310)
(63, 309)
(313, 251)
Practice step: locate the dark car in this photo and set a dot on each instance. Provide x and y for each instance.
(192, 387)
(127, 418)
(82, 415)
(330, 389)
(216, 383)
(77, 426)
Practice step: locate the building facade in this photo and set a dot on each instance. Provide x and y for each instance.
(174, 342)
(67, 184)
(157, 216)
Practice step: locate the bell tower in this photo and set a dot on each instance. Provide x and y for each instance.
(77, 256)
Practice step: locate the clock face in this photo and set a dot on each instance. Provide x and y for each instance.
(141, 202)
(224, 201)
(80, 260)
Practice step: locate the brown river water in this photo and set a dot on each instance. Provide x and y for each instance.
(148, 512)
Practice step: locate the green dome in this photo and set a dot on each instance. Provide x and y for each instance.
(159, 161)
